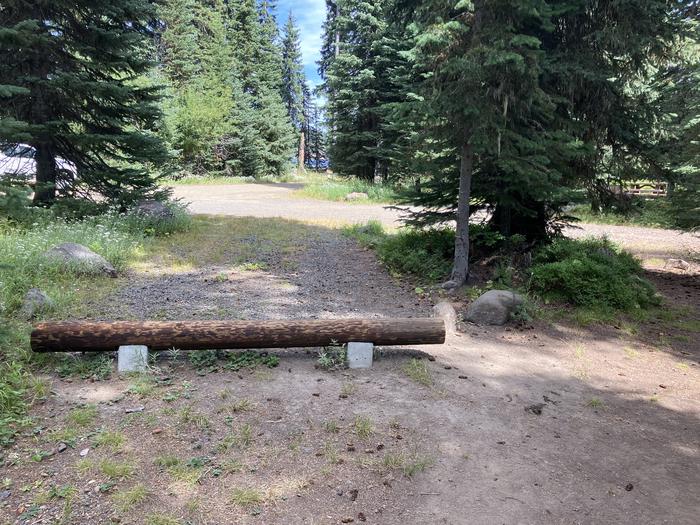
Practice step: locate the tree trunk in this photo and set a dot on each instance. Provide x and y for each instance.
(302, 151)
(45, 189)
(460, 269)
(193, 335)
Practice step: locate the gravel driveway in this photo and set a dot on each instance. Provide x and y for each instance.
(279, 200)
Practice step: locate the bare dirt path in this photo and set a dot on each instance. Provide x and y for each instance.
(551, 425)
(279, 200)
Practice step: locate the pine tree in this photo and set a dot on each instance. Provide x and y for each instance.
(252, 35)
(68, 74)
(351, 70)
(294, 89)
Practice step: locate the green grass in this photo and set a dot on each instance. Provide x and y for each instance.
(110, 439)
(82, 416)
(116, 469)
(652, 213)
(245, 497)
(408, 464)
(121, 239)
(333, 188)
(161, 519)
(362, 426)
(418, 371)
(129, 498)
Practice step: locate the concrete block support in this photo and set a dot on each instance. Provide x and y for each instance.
(360, 355)
(132, 358)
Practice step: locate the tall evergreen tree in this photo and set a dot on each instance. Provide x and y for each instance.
(294, 88)
(68, 79)
(353, 84)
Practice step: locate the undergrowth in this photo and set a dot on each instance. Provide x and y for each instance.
(119, 238)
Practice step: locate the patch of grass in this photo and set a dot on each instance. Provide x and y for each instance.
(110, 439)
(331, 426)
(418, 371)
(67, 435)
(204, 361)
(408, 464)
(96, 366)
(142, 385)
(116, 469)
(593, 274)
(166, 461)
(362, 426)
(333, 188)
(594, 402)
(330, 453)
(689, 325)
(82, 416)
(427, 254)
(189, 416)
(238, 360)
(242, 405)
(333, 357)
(161, 519)
(129, 498)
(347, 389)
(245, 497)
(652, 213)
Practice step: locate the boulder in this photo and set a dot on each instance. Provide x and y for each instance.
(153, 210)
(445, 311)
(678, 264)
(356, 196)
(493, 307)
(79, 257)
(35, 301)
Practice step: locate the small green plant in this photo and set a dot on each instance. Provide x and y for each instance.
(242, 405)
(161, 519)
(189, 416)
(595, 403)
(330, 453)
(333, 357)
(166, 461)
(110, 439)
(245, 497)
(116, 469)
(408, 464)
(205, 361)
(129, 498)
(362, 426)
(331, 426)
(83, 416)
(96, 366)
(142, 385)
(238, 360)
(418, 371)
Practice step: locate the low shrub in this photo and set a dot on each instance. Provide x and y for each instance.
(591, 273)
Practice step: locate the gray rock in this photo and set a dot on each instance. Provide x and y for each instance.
(35, 302)
(445, 311)
(80, 257)
(679, 264)
(153, 210)
(493, 307)
(356, 196)
(5, 494)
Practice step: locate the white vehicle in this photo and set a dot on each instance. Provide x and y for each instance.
(19, 161)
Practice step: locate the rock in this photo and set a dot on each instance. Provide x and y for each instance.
(78, 256)
(84, 452)
(153, 210)
(35, 301)
(5, 494)
(449, 285)
(679, 264)
(493, 307)
(535, 409)
(445, 311)
(62, 447)
(356, 196)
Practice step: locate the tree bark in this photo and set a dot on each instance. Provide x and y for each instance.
(45, 188)
(460, 268)
(302, 151)
(192, 335)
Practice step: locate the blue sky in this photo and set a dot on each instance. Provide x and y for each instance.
(309, 16)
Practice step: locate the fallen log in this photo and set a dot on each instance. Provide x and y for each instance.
(94, 336)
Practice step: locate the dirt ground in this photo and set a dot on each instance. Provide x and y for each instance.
(554, 423)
